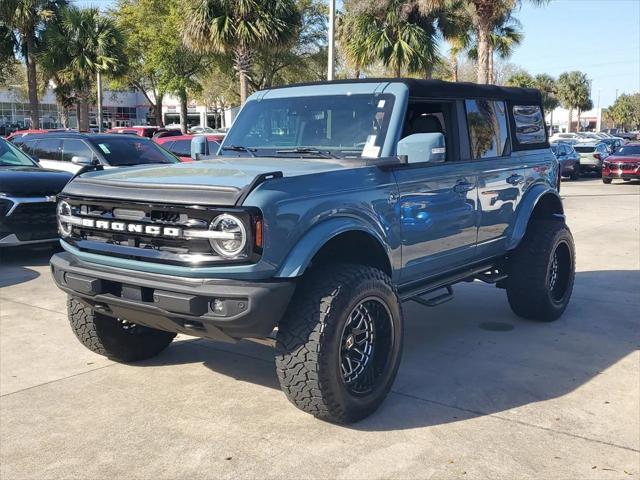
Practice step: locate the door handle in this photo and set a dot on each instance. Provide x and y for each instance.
(463, 187)
(515, 179)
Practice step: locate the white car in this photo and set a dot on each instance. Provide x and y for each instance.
(556, 137)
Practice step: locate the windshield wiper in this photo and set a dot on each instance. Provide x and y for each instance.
(240, 148)
(309, 150)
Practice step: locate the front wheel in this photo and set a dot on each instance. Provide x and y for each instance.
(541, 271)
(606, 181)
(340, 342)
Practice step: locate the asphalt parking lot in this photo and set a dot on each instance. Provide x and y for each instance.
(480, 392)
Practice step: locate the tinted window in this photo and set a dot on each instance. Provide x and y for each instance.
(75, 148)
(129, 150)
(48, 149)
(530, 125)
(182, 148)
(213, 146)
(488, 132)
(629, 150)
(584, 149)
(29, 147)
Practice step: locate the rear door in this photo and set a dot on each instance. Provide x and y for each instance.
(501, 175)
(49, 153)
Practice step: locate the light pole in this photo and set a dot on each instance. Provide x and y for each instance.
(332, 28)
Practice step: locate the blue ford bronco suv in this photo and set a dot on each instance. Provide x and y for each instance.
(327, 206)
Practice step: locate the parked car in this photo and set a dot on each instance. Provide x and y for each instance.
(180, 146)
(73, 151)
(569, 159)
(163, 132)
(613, 143)
(558, 137)
(592, 155)
(200, 129)
(140, 130)
(624, 163)
(27, 198)
(19, 136)
(328, 206)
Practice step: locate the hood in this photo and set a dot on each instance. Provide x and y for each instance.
(218, 181)
(623, 158)
(32, 181)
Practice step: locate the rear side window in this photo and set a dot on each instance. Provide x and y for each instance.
(48, 149)
(182, 148)
(488, 131)
(530, 125)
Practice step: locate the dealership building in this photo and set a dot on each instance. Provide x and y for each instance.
(119, 109)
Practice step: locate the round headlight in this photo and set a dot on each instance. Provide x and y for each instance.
(64, 209)
(231, 235)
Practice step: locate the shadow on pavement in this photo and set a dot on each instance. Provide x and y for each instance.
(15, 263)
(472, 354)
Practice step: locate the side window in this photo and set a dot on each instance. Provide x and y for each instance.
(488, 132)
(48, 149)
(75, 148)
(29, 147)
(530, 125)
(182, 148)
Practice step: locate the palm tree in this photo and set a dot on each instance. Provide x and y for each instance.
(395, 33)
(27, 18)
(574, 92)
(485, 14)
(505, 35)
(239, 27)
(81, 46)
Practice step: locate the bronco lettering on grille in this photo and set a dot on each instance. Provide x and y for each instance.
(131, 227)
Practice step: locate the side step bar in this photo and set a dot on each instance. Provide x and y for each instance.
(487, 273)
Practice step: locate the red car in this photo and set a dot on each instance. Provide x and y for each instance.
(624, 163)
(141, 131)
(180, 145)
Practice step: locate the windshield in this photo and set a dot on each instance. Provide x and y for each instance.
(11, 156)
(629, 150)
(126, 151)
(587, 149)
(339, 125)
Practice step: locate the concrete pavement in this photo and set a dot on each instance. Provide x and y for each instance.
(480, 392)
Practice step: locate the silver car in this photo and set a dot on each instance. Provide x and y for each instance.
(592, 154)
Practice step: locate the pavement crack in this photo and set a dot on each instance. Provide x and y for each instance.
(512, 420)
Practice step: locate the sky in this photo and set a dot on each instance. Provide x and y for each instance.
(598, 37)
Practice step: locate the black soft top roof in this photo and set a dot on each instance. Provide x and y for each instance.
(442, 89)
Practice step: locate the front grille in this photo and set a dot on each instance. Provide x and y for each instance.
(32, 221)
(624, 166)
(160, 248)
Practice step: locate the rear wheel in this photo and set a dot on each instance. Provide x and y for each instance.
(606, 181)
(340, 342)
(541, 271)
(114, 338)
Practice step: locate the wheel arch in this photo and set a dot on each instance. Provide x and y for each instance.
(340, 239)
(542, 202)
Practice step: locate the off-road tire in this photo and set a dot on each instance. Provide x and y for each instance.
(108, 336)
(529, 267)
(310, 342)
(606, 181)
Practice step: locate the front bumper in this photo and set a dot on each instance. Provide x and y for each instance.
(624, 174)
(210, 308)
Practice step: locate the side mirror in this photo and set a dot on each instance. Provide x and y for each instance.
(82, 161)
(423, 147)
(199, 147)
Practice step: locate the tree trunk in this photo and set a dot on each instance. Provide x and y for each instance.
(484, 34)
(454, 67)
(428, 74)
(397, 71)
(578, 121)
(84, 114)
(32, 81)
(570, 119)
(64, 115)
(99, 87)
(78, 113)
(490, 73)
(158, 110)
(182, 95)
(242, 65)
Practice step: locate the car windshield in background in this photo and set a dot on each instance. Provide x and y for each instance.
(11, 156)
(584, 149)
(318, 126)
(629, 150)
(128, 151)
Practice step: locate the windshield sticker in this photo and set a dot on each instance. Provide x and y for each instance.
(371, 141)
(370, 151)
(104, 148)
(381, 104)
